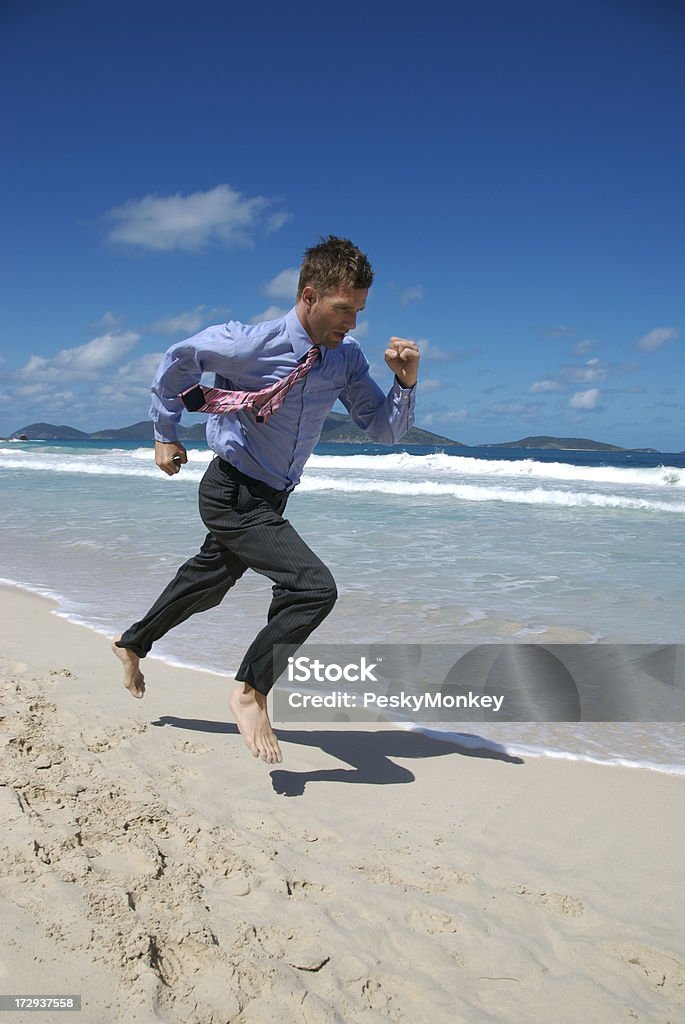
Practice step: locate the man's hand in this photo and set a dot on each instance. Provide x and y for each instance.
(402, 357)
(170, 456)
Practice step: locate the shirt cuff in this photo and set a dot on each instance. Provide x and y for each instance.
(165, 433)
(400, 388)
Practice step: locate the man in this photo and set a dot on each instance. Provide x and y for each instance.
(259, 461)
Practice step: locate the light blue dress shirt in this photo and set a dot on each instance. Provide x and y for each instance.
(249, 357)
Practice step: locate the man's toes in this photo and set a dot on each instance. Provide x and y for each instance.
(273, 753)
(252, 745)
(136, 687)
(266, 752)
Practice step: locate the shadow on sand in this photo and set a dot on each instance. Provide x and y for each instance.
(368, 753)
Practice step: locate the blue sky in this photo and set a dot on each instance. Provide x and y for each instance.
(514, 171)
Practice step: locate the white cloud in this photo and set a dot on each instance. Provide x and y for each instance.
(270, 313)
(561, 331)
(655, 339)
(583, 347)
(428, 384)
(411, 294)
(431, 351)
(540, 387)
(34, 366)
(509, 408)
(361, 330)
(78, 384)
(131, 383)
(283, 285)
(189, 322)
(166, 223)
(87, 359)
(99, 353)
(591, 373)
(440, 416)
(108, 321)
(44, 394)
(276, 221)
(143, 368)
(584, 399)
(594, 371)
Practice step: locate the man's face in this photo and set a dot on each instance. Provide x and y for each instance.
(333, 315)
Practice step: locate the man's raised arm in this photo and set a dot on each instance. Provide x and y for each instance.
(385, 418)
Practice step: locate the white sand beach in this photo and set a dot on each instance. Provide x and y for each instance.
(152, 866)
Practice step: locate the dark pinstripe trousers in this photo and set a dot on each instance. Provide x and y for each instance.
(246, 531)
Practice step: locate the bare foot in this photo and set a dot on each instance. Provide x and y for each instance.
(134, 680)
(249, 710)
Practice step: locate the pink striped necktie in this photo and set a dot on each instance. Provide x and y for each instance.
(262, 403)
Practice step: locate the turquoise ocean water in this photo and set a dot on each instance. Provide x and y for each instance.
(427, 547)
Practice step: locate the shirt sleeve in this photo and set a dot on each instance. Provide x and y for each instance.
(182, 366)
(385, 418)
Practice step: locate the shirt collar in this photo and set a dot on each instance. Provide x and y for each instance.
(299, 339)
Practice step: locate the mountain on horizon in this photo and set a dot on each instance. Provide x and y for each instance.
(49, 432)
(337, 429)
(544, 441)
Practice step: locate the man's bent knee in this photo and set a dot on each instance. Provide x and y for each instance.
(329, 598)
(325, 587)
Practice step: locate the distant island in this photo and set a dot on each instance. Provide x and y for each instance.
(337, 429)
(566, 444)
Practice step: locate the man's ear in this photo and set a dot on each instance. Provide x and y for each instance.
(309, 295)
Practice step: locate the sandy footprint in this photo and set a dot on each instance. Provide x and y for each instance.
(380, 874)
(439, 879)
(430, 921)
(304, 888)
(192, 747)
(662, 972)
(117, 860)
(226, 889)
(180, 774)
(557, 902)
(377, 996)
(97, 739)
